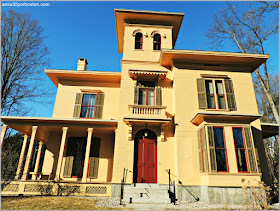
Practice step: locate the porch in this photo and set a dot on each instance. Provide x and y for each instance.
(77, 150)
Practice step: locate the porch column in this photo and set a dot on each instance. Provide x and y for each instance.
(21, 158)
(3, 134)
(34, 176)
(29, 153)
(61, 153)
(85, 170)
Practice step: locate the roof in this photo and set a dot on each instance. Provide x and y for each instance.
(76, 75)
(47, 125)
(201, 116)
(149, 18)
(244, 61)
(269, 129)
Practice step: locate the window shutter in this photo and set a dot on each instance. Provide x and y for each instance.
(158, 96)
(136, 95)
(93, 167)
(258, 160)
(250, 150)
(68, 166)
(78, 102)
(205, 150)
(199, 151)
(230, 95)
(201, 90)
(99, 106)
(212, 150)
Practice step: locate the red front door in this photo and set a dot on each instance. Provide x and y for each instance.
(147, 161)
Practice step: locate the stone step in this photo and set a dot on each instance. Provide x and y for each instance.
(133, 200)
(145, 185)
(146, 190)
(150, 206)
(147, 195)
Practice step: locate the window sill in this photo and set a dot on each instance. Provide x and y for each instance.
(231, 174)
(214, 109)
(138, 49)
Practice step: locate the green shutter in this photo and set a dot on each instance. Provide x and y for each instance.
(205, 150)
(201, 90)
(136, 95)
(199, 151)
(78, 102)
(230, 95)
(93, 167)
(158, 96)
(258, 160)
(212, 150)
(68, 166)
(99, 106)
(250, 150)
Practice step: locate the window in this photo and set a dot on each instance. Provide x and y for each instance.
(240, 150)
(212, 94)
(220, 148)
(215, 94)
(138, 41)
(157, 42)
(88, 106)
(146, 93)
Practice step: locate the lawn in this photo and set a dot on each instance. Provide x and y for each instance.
(50, 203)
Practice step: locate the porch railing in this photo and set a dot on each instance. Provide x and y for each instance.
(147, 110)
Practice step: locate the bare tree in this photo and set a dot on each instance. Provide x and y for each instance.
(248, 26)
(23, 57)
(263, 104)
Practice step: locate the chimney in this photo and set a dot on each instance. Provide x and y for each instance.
(82, 64)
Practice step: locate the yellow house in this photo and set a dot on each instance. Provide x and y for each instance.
(182, 122)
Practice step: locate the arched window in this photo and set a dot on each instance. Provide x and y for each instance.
(157, 42)
(138, 40)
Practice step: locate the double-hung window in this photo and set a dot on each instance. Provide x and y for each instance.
(88, 106)
(212, 94)
(215, 94)
(214, 146)
(240, 150)
(146, 93)
(220, 146)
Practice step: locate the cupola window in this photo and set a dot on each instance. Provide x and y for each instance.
(157, 42)
(138, 41)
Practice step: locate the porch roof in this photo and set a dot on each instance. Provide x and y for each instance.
(46, 125)
(269, 129)
(211, 116)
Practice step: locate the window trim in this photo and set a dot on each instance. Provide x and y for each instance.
(245, 149)
(216, 102)
(88, 106)
(225, 148)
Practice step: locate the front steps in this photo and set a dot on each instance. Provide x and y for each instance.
(146, 196)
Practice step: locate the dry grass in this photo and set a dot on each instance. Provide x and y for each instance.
(50, 203)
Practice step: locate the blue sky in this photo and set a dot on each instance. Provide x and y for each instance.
(87, 30)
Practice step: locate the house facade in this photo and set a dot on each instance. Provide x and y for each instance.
(184, 117)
